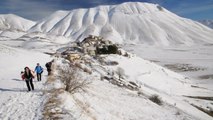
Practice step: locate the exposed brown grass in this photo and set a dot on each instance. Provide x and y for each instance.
(183, 67)
(210, 76)
(210, 113)
(201, 97)
(52, 110)
(50, 79)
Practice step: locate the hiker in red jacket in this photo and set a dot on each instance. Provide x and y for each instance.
(28, 77)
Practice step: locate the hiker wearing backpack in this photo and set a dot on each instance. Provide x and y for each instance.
(39, 71)
(28, 77)
(48, 66)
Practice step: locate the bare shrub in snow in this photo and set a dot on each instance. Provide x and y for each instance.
(70, 76)
(140, 93)
(120, 72)
(156, 99)
(113, 63)
(177, 113)
(78, 65)
(160, 8)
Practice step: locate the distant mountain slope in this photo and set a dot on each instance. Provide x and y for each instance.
(13, 26)
(131, 22)
(208, 23)
(14, 22)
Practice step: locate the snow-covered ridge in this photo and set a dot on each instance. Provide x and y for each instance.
(131, 22)
(148, 78)
(14, 22)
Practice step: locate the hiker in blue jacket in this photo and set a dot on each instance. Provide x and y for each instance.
(39, 71)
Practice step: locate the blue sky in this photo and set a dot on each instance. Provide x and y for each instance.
(37, 9)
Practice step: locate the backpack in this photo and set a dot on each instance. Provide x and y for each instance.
(33, 73)
(22, 76)
(41, 70)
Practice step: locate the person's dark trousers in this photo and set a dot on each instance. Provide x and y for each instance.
(39, 76)
(49, 71)
(30, 85)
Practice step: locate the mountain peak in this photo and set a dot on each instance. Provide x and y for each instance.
(11, 21)
(137, 7)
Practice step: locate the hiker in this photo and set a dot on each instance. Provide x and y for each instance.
(28, 76)
(48, 66)
(39, 71)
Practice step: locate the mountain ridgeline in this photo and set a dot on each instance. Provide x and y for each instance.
(208, 23)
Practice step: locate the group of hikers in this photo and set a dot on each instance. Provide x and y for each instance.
(28, 75)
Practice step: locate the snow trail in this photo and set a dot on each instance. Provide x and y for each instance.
(16, 102)
(20, 104)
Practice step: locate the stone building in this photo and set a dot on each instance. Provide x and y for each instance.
(93, 43)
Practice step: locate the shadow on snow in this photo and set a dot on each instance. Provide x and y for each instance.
(18, 90)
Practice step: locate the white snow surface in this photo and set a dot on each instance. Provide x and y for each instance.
(106, 101)
(16, 102)
(131, 22)
(168, 84)
(103, 100)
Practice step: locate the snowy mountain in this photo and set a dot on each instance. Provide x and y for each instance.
(208, 23)
(14, 22)
(131, 22)
(13, 26)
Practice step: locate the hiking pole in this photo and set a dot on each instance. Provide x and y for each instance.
(23, 85)
(35, 85)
